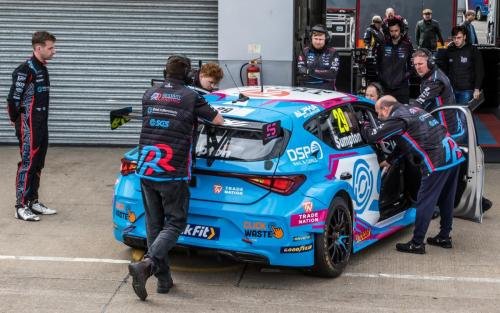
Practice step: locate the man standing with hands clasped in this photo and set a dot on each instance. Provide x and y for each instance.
(28, 106)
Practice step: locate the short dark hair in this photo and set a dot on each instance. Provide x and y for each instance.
(40, 37)
(178, 66)
(395, 21)
(458, 29)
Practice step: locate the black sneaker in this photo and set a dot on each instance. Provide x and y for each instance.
(164, 286)
(486, 203)
(440, 242)
(411, 247)
(140, 272)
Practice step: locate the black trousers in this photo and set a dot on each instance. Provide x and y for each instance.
(33, 136)
(166, 205)
(438, 188)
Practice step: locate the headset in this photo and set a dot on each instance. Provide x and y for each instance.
(320, 28)
(179, 58)
(430, 60)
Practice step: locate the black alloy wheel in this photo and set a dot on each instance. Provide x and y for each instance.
(334, 245)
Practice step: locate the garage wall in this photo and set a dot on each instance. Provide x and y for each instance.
(107, 53)
(268, 23)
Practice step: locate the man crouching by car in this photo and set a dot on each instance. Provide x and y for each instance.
(420, 136)
(169, 113)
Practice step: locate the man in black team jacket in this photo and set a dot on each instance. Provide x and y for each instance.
(420, 137)
(28, 107)
(463, 64)
(318, 64)
(394, 63)
(169, 113)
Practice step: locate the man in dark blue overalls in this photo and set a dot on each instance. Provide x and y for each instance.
(422, 138)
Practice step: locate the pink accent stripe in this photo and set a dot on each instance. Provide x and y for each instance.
(421, 150)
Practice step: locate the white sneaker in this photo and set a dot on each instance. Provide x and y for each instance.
(24, 213)
(40, 208)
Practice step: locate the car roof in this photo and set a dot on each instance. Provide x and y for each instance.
(283, 99)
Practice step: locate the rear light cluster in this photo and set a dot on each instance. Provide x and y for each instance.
(127, 167)
(284, 185)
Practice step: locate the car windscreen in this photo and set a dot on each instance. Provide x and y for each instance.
(238, 140)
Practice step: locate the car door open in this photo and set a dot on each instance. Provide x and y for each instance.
(468, 203)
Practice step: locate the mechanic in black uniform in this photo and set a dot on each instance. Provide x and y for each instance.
(169, 113)
(318, 64)
(394, 62)
(420, 137)
(28, 107)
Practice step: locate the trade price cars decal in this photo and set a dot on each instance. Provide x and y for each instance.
(308, 218)
(201, 231)
(228, 190)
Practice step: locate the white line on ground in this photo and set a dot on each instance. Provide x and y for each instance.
(347, 274)
(62, 259)
(425, 277)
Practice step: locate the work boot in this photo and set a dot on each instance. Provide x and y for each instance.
(164, 286)
(140, 272)
(39, 208)
(411, 247)
(440, 242)
(24, 213)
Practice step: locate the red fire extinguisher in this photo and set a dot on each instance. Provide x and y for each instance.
(253, 74)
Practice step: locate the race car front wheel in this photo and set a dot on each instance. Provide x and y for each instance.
(334, 245)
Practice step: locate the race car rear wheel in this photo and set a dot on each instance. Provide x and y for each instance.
(334, 245)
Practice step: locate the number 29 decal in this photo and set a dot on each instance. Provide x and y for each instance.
(341, 120)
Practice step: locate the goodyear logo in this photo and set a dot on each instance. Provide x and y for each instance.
(297, 249)
(201, 231)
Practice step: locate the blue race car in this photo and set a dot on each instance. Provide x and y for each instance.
(289, 181)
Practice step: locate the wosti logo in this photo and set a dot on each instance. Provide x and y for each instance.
(262, 230)
(306, 154)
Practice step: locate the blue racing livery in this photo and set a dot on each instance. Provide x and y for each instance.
(286, 181)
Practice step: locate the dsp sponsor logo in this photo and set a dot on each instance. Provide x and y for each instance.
(262, 230)
(201, 231)
(365, 234)
(308, 218)
(297, 249)
(306, 154)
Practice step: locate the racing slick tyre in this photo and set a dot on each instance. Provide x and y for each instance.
(333, 247)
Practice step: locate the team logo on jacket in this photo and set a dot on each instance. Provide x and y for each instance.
(155, 160)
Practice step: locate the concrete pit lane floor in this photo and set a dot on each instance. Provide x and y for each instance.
(70, 262)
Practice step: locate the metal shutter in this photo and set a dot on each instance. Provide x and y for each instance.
(107, 53)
